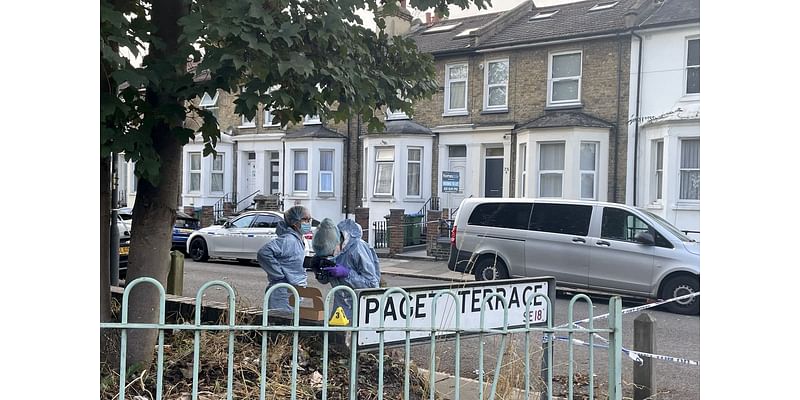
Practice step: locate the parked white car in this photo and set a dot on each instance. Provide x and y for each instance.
(239, 238)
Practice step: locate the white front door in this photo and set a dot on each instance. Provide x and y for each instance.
(457, 165)
(251, 184)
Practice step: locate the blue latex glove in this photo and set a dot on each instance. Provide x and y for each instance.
(337, 271)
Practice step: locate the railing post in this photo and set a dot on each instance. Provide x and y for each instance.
(615, 348)
(644, 340)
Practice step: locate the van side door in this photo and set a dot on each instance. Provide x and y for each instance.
(499, 229)
(618, 261)
(556, 242)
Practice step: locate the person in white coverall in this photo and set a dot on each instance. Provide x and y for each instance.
(357, 263)
(282, 257)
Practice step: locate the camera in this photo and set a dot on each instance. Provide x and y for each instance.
(316, 264)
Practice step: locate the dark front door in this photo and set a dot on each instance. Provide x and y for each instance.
(493, 182)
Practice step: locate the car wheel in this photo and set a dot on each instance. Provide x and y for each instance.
(489, 268)
(680, 286)
(198, 250)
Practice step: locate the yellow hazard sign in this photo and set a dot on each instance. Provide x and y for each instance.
(339, 319)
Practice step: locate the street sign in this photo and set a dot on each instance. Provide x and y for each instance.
(450, 181)
(469, 297)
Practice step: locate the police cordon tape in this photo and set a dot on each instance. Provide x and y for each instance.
(632, 354)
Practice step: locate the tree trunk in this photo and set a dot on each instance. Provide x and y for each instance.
(105, 252)
(155, 206)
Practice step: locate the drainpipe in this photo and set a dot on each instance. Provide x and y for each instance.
(636, 129)
(346, 171)
(616, 120)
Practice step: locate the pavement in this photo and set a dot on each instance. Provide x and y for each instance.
(417, 264)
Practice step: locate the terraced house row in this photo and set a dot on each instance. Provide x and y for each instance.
(596, 100)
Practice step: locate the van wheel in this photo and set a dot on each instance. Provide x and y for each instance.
(198, 250)
(490, 268)
(681, 286)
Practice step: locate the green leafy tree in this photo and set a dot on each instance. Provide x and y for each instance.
(296, 57)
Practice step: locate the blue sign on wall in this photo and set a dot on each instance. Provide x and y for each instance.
(450, 180)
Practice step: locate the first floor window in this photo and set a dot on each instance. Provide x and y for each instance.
(693, 66)
(690, 169)
(496, 85)
(413, 182)
(209, 103)
(384, 171)
(565, 78)
(588, 170)
(217, 173)
(551, 169)
(301, 170)
(455, 88)
(194, 172)
(326, 171)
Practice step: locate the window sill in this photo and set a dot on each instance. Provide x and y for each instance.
(694, 206)
(564, 106)
(413, 200)
(455, 113)
(495, 111)
(303, 195)
(326, 196)
(246, 126)
(655, 206)
(385, 199)
(690, 97)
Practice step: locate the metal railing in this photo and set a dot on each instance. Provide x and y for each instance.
(381, 234)
(236, 209)
(531, 335)
(219, 206)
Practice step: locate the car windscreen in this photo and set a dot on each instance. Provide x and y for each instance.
(664, 223)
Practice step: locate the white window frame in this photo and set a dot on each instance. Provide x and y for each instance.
(296, 172)
(550, 171)
(409, 162)
(681, 169)
(686, 66)
(326, 172)
(523, 175)
(447, 83)
(198, 171)
(247, 123)
(378, 164)
(215, 171)
(210, 104)
(551, 80)
(657, 193)
(593, 172)
(487, 87)
(312, 120)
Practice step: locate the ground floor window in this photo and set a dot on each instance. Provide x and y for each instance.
(551, 169)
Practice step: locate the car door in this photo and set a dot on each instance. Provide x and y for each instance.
(556, 242)
(618, 262)
(260, 232)
(227, 242)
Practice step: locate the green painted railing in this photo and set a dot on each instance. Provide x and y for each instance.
(547, 333)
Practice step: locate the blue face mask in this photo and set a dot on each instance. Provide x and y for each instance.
(305, 228)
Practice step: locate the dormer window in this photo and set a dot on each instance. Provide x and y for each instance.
(544, 14)
(604, 5)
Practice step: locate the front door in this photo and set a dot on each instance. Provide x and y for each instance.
(251, 184)
(457, 165)
(493, 178)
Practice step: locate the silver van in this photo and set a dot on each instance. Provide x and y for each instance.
(596, 246)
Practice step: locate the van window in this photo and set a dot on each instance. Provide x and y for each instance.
(501, 215)
(621, 225)
(561, 218)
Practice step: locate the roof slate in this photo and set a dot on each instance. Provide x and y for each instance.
(440, 42)
(558, 119)
(572, 20)
(405, 127)
(313, 131)
(673, 11)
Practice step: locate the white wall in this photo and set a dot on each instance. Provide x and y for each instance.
(379, 206)
(321, 206)
(662, 89)
(205, 197)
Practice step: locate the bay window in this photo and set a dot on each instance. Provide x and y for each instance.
(300, 170)
(384, 171)
(551, 169)
(326, 171)
(414, 171)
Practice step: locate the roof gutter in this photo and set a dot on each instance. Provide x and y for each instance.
(547, 43)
